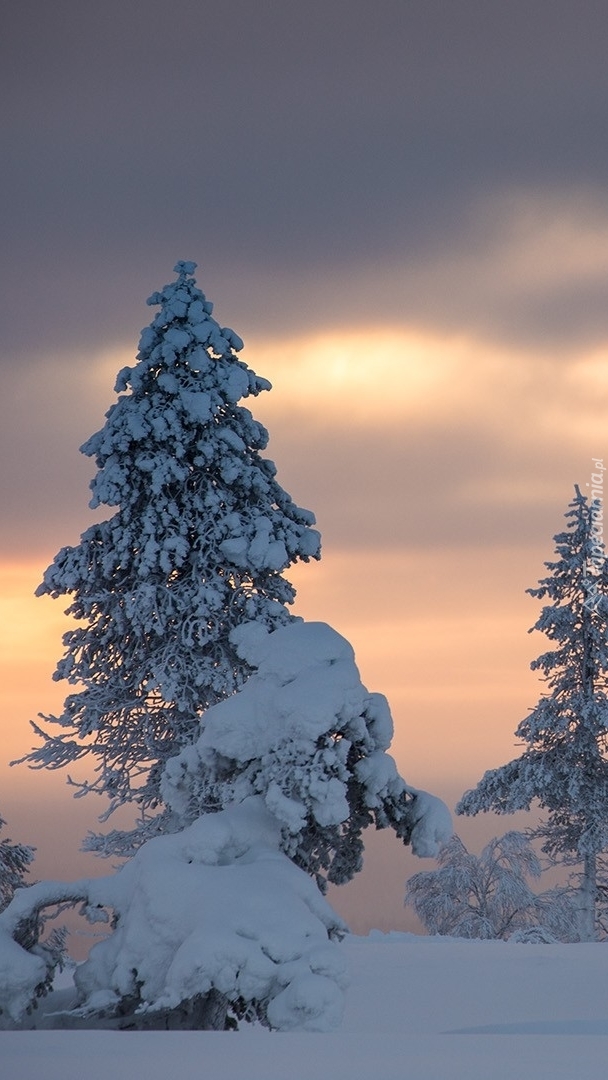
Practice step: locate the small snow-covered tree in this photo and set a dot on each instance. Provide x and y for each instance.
(488, 895)
(220, 918)
(222, 915)
(15, 860)
(564, 766)
(306, 736)
(198, 544)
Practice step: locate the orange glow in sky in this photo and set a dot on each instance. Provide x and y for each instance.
(439, 628)
(439, 468)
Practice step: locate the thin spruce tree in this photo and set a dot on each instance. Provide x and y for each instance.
(15, 862)
(564, 767)
(198, 543)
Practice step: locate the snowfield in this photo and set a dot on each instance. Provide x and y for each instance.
(426, 1008)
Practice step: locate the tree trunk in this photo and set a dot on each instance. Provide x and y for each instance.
(587, 900)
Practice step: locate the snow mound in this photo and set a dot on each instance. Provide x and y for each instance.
(214, 908)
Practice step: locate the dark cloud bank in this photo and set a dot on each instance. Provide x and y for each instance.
(276, 143)
(322, 162)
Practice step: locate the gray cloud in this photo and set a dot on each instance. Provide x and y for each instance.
(329, 163)
(438, 488)
(277, 142)
(479, 480)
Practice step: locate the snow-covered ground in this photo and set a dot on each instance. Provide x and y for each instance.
(426, 1008)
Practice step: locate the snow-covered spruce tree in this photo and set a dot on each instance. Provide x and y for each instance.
(306, 737)
(564, 766)
(15, 860)
(489, 895)
(198, 544)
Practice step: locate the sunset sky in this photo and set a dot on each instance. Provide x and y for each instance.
(402, 207)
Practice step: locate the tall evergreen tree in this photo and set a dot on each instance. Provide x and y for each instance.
(198, 544)
(564, 766)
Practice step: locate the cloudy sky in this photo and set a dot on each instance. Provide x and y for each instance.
(402, 207)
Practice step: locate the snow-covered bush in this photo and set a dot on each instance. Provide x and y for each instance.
(564, 767)
(198, 544)
(533, 935)
(223, 916)
(306, 736)
(489, 895)
(208, 923)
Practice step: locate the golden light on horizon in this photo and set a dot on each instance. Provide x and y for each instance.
(370, 376)
(31, 629)
(374, 378)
